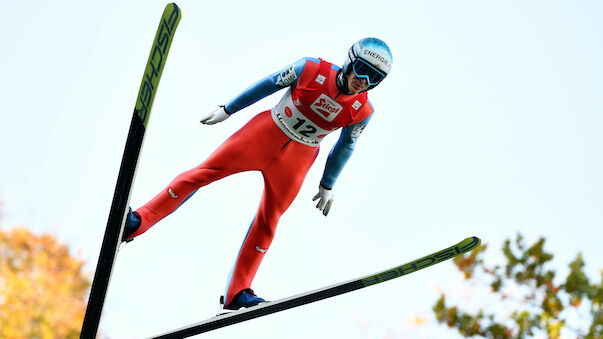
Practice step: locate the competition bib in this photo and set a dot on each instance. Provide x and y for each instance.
(297, 126)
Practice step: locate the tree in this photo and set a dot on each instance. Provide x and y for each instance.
(42, 288)
(539, 304)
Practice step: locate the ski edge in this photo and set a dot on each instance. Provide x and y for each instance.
(267, 308)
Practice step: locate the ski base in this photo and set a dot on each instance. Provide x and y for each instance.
(127, 171)
(270, 307)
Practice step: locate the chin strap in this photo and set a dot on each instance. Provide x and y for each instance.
(342, 83)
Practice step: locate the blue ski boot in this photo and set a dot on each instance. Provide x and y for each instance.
(132, 224)
(245, 298)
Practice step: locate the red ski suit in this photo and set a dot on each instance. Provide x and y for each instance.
(282, 150)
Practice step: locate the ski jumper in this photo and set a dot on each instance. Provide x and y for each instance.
(281, 143)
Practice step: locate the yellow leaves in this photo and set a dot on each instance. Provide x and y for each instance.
(42, 288)
(469, 261)
(554, 329)
(418, 320)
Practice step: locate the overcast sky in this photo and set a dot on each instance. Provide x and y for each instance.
(488, 125)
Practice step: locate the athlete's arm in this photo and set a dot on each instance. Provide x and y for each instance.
(339, 156)
(272, 83)
(341, 152)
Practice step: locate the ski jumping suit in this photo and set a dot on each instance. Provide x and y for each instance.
(282, 143)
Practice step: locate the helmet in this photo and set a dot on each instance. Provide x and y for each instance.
(370, 59)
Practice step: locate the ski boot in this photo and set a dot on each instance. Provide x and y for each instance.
(132, 224)
(243, 299)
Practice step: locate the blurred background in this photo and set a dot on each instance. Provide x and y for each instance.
(489, 125)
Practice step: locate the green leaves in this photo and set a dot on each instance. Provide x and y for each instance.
(543, 306)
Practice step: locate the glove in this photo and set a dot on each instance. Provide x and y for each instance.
(326, 199)
(216, 116)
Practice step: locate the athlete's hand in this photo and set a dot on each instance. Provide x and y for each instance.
(326, 199)
(216, 116)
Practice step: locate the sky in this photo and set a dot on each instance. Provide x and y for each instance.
(489, 125)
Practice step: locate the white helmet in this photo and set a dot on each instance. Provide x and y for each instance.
(370, 59)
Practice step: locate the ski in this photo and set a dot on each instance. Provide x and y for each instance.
(322, 293)
(115, 224)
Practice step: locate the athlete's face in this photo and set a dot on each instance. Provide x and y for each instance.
(355, 84)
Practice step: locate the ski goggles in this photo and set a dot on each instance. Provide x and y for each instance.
(364, 70)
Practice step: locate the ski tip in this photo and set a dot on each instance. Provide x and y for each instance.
(172, 10)
(469, 244)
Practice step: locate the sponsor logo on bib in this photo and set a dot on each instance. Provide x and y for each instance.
(326, 107)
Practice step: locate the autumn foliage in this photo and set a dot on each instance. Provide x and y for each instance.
(42, 287)
(532, 300)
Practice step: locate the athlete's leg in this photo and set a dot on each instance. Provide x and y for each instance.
(283, 178)
(247, 149)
